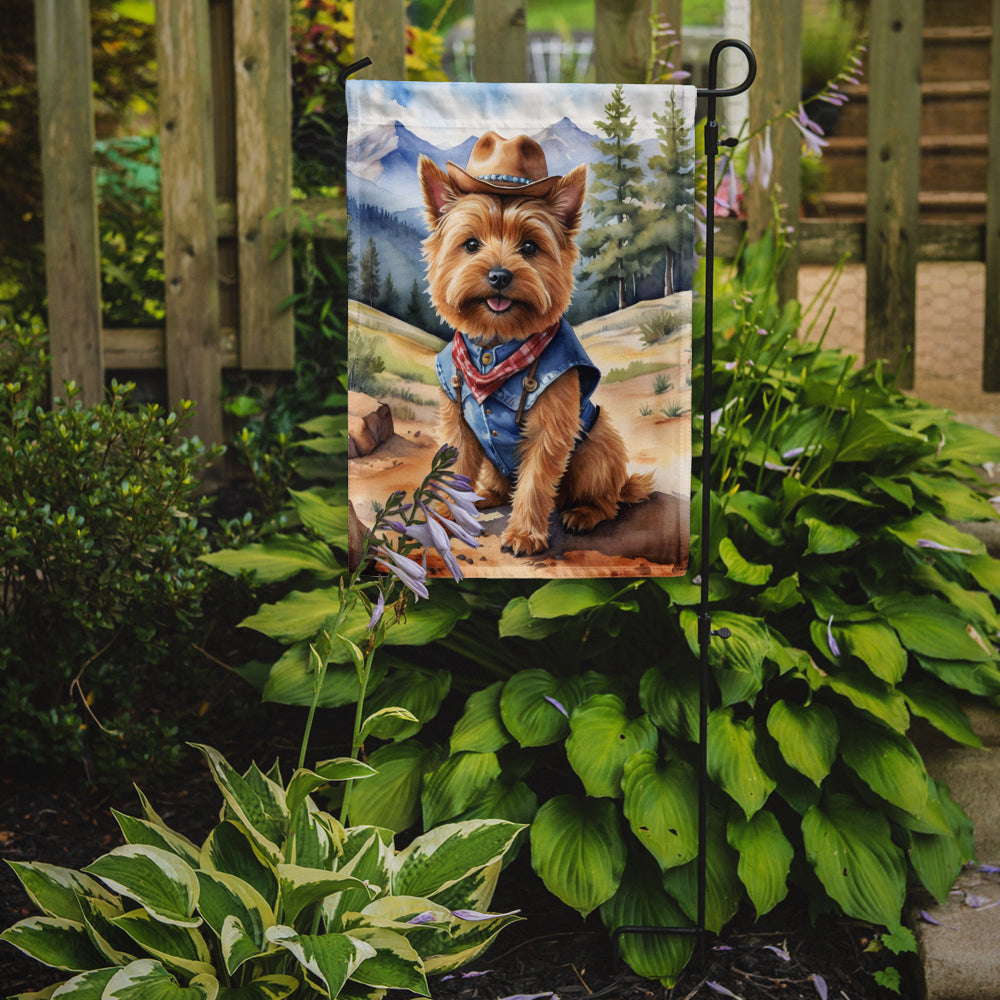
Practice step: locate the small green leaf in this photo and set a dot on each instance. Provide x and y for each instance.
(517, 620)
(559, 598)
(739, 569)
(828, 539)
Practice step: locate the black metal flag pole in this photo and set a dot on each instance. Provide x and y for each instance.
(705, 631)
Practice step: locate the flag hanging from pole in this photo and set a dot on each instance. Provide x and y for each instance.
(520, 269)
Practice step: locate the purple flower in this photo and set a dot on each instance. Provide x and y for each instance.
(834, 648)
(820, 983)
(377, 612)
(811, 132)
(475, 915)
(927, 543)
(780, 952)
(558, 705)
(431, 535)
(427, 917)
(719, 988)
(761, 163)
(411, 574)
(453, 525)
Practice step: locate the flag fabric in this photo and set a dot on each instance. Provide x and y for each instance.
(520, 271)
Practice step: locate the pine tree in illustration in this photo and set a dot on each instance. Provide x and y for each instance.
(615, 201)
(370, 279)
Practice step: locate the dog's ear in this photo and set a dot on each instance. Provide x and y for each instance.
(436, 186)
(566, 197)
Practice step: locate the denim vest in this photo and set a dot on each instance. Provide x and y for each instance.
(494, 421)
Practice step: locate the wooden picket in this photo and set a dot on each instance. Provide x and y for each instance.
(226, 161)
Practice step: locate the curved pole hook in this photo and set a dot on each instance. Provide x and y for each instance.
(712, 90)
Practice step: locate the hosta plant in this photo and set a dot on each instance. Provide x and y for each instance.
(279, 900)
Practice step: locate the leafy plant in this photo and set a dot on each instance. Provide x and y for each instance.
(279, 899)
(99, 541)
(854, 605)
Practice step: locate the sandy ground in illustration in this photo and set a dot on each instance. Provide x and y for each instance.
(650, 408)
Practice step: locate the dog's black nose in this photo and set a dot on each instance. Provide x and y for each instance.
(499, 277)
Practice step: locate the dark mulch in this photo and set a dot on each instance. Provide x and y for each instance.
(551, 952)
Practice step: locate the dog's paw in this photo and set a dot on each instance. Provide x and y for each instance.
(582, 519)
(524, 543)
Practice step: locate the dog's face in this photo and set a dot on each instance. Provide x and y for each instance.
(500, 268)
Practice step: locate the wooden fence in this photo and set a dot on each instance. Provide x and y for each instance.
(226, 161)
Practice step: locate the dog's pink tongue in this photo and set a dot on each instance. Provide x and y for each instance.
(498, 305)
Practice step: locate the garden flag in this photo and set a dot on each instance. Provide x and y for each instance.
(520, 265)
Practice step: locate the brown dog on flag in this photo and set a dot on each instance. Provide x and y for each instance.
(516, 380)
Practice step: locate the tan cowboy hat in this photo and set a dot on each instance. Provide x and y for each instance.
(504, 166)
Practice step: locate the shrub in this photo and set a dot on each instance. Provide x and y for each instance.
(99, 541)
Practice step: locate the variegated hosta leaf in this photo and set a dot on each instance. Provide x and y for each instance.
(177, 947)
(807, 736)
(225, 897)
(475, 891)
(888, 763)
(56, 891)
(300, 887)
(661, 805)
(315, 838)
(328, 959)
(723, 889)
(86, 986)
(765, 858)
(578, 851)
(732, 760)
(147, 979)
(850, 847)
(456, 784)
(256, 801)
(304, 782)
(642, 902)
(395, 964)
(367, 853)
(141, 831)
(274, 987)
(158, 880)
(535, 706)
(54, 941)
(481, 727)
(441, 857)
(230, 849)
(602, 737)
(116, 946)
(468, 939)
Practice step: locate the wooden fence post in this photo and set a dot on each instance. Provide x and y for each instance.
(72, 255)
(621, 40)
(380, 34)
(262, 61)
(991, 332)
(892, 214)
(501, 41)
(190, 251)
(776, 34)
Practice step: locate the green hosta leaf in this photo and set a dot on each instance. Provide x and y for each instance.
(275, 987)
(559, 598)
(456, 784)
(807, 736)
(937, 858)
(230, 849)
(147, 979)
(292, 681)
(528, 710)
(517, 620)
(142, 831)
(671, 700)
(330, 959)
(180, 948)
(391, 798)
(957, 501)
(723, 889)
(732, 760)
(850, 848)
(425, 622)
(828, 539)
(738, 661)
(876, 646)
(304, 782)
(54, 941)
(783, 595)
(661, 798)
(226, 898)
(869, 436)
(976, 678)
(327, 520)
(738, 569)
(941, 709)
(866, 692)
(56, 891)
(602, 738)
(965, 443)
(387, 723)
(928, 528)
(758, 511)
(260, 809)
(395, 964)
(516, 803)
(481, 728)
(641, 901)
(279, 558)
(578, 851)
(931, 628)
(975, 605)
(301, 887)
(417, 690)
(159, 881)
(888, 763)
(440, 858)
(298, 616)
(765, 858)
(986, 571)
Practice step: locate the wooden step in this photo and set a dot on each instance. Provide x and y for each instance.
(956, 53)
(958, 206)
(945, 12)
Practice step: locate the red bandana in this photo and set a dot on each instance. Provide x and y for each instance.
(482, 385)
